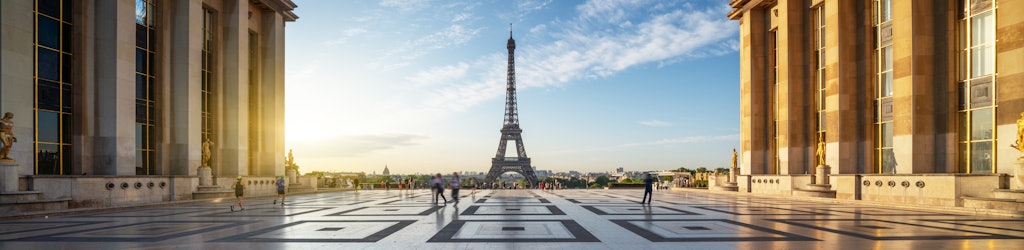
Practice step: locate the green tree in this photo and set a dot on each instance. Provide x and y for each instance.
(601, 181)
(318, 174)
(632, 181)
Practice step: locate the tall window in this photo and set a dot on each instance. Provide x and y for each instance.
(773, 74)
(884, 160)
(254, 102)
(145, 86)
(53, 82)
(976, 90)
(819, 75)
(207, 75)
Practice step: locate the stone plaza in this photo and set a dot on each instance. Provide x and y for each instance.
(516, 219)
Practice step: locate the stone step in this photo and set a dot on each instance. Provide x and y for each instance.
(818, 187)
(35, 206)
(198, 195)
(210, 188)
(725, 188)
(814, 193)
(20, 196)
(1008, 205)
(1016, 194)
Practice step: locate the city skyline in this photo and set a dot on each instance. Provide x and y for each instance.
(419, 86)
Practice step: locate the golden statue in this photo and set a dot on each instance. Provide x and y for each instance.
(1020, 134)
(734, 156)
(291, 159)
(821, 151)
(7, 136)
(207, 152)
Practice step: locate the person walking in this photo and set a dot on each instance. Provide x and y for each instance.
(472, 183)
(648, 193)
(456, 182)
(280, 190)
(239, 192)
(438, 187)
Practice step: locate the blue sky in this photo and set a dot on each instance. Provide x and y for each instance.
(420, 85)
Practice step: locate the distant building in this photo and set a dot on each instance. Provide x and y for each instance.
(386, 171)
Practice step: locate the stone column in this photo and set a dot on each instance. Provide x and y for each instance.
(16, 73)
(185, 53)
(114, 141)
(234, 150)
(753, 96)
(843, 102)
(272, 42)
(794, 92)
(914, 83)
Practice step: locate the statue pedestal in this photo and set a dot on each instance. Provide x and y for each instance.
(732, 175)
(291, 173)
(205, 176)
(821, 175)
(1018, 172)
(8, 176)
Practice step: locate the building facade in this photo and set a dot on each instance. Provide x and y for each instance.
(133, 88)
(915, 101)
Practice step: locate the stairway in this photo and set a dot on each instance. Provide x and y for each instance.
(23, 202)
(1011, 200)
(209, 192)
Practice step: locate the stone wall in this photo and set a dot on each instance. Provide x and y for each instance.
(112, 191)
(116, 191)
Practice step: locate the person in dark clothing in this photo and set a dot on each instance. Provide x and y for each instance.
(648, 193)
(239, 192)
(438, 186)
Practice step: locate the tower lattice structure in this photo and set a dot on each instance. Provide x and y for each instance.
(510, 130)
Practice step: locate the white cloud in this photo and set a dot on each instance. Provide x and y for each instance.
(345, 35)
(684, 140)
(527, 7)
(667, 141)
(439, 75)
(655, 123)
(405, 5)
(611, 10)
(540, 28)
(584, 50)
(456, 33)
(354, 145)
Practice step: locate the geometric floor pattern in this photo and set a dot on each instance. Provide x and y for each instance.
(516, 219)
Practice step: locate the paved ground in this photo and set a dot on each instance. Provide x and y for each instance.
(519, 219)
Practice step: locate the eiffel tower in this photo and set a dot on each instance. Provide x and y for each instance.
(510, 131)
